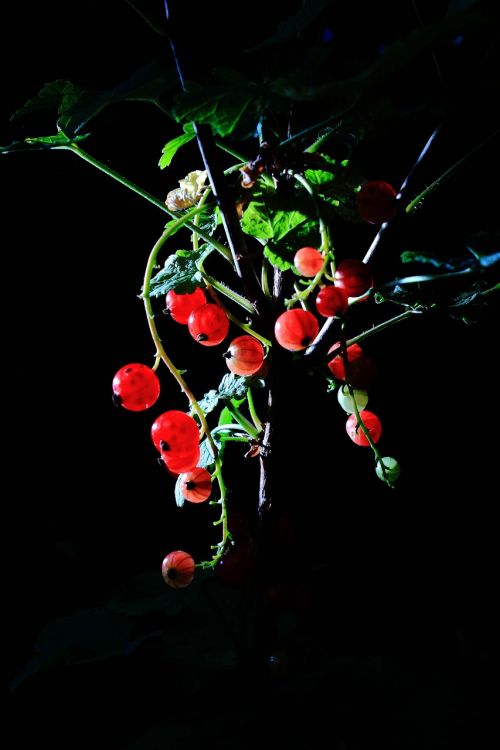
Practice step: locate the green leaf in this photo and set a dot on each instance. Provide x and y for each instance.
(260, 221)
(179, 273)
(319, 176)
(209, 401)
(179, 497)
(206, 456)
(409, 256)
(42, 143)
(170, 149)
(233, 386)
(223, 104)
(276, 259)
(60, 95)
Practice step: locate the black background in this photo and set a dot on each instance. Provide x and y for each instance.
(407, 572)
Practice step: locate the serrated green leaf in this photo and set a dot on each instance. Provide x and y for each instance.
(233, 386)
(260, 221)
(179, 497)
(409, 256)
(42, 143)
(276, 259)
(179, 273)
(209, 401)
(60, 95)
(319, 176)
(170, 149)
(221, 104)
(206, 456)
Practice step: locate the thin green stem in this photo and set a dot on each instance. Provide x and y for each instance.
(264, 277)
(231, 152)
(382, 326)
(147, 196)
(434, 185)
(160, 350)
(212, 286)
(229, 427)
(252, 410)
(226, 291)
(242, 420)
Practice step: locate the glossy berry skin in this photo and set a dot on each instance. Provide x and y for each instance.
(296, 329)
(180, 306)
(208, 324)
(245, 355)
(178, 463)
(177, 569)
(331, 302)
(372, 424)
(361, 371)
(308, 261)
(136, 387)
(175, 432)
(196, 485)
(376, 202)
(353, 277)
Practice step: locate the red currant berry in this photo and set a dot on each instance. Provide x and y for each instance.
(376, 202)
(136, 387)
(296, 329)
(180, 306)
(361, 369)
(308, 261)
(196, 485)
(175, 432)
(245, 355)
(331, 302)
(178, 463)
(208, 324)
(353, 277)
(177, 569)
(372, 424)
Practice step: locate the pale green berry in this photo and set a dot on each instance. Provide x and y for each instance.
(347, 401)
(392, 469)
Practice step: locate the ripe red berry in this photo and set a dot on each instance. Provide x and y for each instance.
(376, 202)
(331, 302)
(308, 261)
(177, 569)
(178, 463)
(208, 324)
(136, 387)
(296, 329)
(353, 277)
(196, 485)
(175, 432)
(372, 424)
(180, 306)
(245, 355)
(361, 369)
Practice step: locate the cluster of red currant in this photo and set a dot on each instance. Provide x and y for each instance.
(176, 435)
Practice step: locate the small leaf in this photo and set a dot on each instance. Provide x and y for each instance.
(170, 149)
(266, 224)
(276, 259)
(232, 386)
(209, 401)
(179, 273)
(225, 417)
(179, 497)
(42, 143)
(206, 456)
